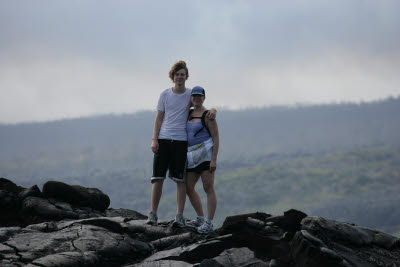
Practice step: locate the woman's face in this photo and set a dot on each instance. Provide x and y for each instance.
(197, 100)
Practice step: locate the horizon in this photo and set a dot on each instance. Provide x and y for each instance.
(248, 108)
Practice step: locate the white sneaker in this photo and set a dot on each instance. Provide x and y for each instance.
(152, 219)
(195, 223)
(179, 221)
(205, 228)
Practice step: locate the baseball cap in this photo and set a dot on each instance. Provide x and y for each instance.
(198, 90)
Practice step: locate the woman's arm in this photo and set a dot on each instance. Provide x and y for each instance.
(157, 126)
(213, 127)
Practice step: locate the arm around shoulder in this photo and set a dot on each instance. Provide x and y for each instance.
(212, 114)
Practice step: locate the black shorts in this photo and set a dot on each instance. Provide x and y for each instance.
(171, 156)
(204, 166)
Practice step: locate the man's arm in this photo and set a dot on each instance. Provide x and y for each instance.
(157, 126)
(212, 114)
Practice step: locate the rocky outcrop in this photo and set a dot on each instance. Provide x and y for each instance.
(24, 206)
(65, 232)
(77, 195)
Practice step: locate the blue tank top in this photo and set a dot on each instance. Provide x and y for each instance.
(192, 128)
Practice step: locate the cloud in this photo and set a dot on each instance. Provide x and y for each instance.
(335, 77)
(52, 89)
(76, 58)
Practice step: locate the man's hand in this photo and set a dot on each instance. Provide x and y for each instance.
(213, 166)
(211, 114)
(154, 146)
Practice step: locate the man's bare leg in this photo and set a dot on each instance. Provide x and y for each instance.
(180, 197)
(156, 192)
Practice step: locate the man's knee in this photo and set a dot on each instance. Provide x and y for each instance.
(157, 184)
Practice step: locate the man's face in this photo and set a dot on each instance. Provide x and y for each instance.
(180, 77)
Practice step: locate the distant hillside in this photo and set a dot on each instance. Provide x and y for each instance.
(359, 186)
(260, 131)
(113, 153)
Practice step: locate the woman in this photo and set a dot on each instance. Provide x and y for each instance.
(203, 143)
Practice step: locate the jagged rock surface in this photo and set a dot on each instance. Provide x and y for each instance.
(41, 229)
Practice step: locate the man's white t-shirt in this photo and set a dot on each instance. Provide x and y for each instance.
(176, 108)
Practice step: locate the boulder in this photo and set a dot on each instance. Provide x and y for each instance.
(332, 243)
(309, 250)
(33, 191)
(236, 222)
(76, 195)
(9, 186)
(43, 210)
(290, 221)
(9, 207)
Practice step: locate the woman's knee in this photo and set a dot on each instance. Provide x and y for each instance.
(190, 189)
(208, 187)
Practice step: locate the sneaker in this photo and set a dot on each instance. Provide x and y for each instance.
(179, 221)
(152, 220)
(205, 228)
(195, 223)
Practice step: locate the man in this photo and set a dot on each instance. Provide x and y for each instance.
(169, 141)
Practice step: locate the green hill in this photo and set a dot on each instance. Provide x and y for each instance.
(356, 182)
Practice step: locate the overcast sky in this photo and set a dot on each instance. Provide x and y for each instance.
(61, 59)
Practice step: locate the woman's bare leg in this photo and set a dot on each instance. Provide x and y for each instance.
(208, 184)
(194, 197)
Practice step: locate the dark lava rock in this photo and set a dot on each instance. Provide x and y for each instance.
(9, 203)
(311, 251)
(20, 206)
(77, 195)
(34, 206)
(236, 222)
(347, 234)
(290, 221)
(128, 214)
(34, 191)
(9, 186)
(162, 263)
(235, 257)
(49, 230)
(323, 242)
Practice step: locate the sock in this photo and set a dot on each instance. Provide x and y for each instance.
(200, 217)
(209, 221)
